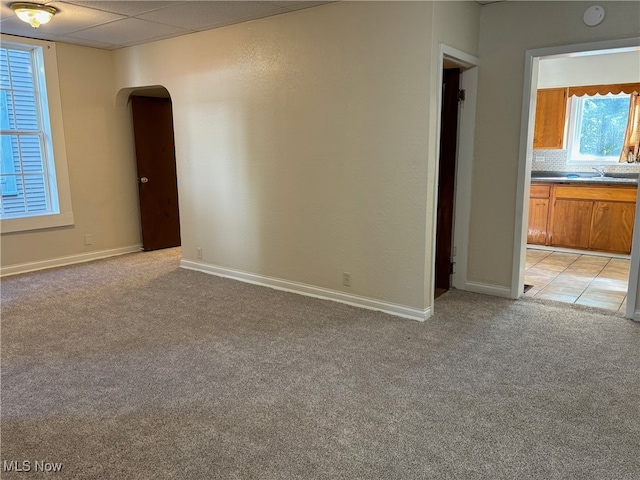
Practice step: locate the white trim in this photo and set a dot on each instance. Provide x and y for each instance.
(464, 157)
(488, 289)
(62, 261)
(635, 315)
(634, 269)
(592, 253)
(56, 146)
(310, 291)
(526, 151)
(464, 171)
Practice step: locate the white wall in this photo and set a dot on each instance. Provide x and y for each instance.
(102, 178)
(302, 144)
(507, 30)
(589, 70)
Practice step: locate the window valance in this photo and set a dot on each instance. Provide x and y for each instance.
(615, 88)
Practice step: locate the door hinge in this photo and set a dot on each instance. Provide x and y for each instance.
(452, 268)
(461, 95)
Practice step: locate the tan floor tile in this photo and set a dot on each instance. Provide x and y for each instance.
(602, 283)
(559, 297)
(593, 270)
(551, 267)
(577, 281)
(563, 257)
(537, 255)
(538, 279)
(553, 287)
(591, 302)
(592, 260)
(620, 262)
(615, 272)
(604, 294)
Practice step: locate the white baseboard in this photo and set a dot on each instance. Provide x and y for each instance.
(488, 289)
(62, 261)
(311, 291)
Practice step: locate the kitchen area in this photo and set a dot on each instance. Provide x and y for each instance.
(584, 179)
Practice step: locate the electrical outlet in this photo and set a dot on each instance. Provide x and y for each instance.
(199, 252)
(346, 279)
(88, 239)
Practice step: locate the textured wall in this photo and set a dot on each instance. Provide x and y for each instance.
(101, 175)
(507, 30)
(301, 144)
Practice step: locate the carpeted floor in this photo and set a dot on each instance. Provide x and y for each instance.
(131, 368)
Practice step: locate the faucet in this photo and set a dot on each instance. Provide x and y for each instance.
(600, 170)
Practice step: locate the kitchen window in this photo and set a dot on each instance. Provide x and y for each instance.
(34, 181)
(597, 125)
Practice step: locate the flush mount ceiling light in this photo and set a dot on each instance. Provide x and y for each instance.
(593, 16)
(32, 13)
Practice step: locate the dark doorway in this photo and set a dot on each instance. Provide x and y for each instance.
(446, 178)
(156, 164)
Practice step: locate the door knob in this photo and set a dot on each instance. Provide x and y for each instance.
(144, 180)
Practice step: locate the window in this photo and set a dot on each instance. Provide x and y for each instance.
(32, 194)
(597, 127)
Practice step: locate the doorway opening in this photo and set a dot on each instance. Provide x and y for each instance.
(152, 115)
(578, 241)
(456, 128)
(451, 97)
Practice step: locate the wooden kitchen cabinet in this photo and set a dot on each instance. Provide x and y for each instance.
(551, 108)
(592, 217)
(538, 214)
(571, 223)
(612, 226)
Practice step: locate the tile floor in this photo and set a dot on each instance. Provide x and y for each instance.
(582, 279)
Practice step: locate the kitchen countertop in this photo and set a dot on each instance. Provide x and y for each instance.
(585, 177)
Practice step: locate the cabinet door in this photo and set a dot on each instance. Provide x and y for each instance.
(551, 107)
(612, 226)
(571, 223)
(538, 216)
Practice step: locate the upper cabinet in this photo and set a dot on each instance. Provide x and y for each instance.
(551, 108)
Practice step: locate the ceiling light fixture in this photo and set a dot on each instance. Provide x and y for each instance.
(33, 13)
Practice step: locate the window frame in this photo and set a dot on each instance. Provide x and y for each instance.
(60, 209)
(574, 120)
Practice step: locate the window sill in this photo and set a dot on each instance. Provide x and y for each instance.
(12, 225)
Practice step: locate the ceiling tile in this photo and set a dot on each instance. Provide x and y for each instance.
(197, 15)
(129, 8)
(301, 5)
(128, 32)
(71, 18)
(84, 43)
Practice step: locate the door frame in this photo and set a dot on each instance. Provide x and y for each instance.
(464, 161)
(525, 155)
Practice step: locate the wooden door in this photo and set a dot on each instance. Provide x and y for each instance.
(538, 217)
(446, 177)
(612, 226)
(156, 162)
(571, 223)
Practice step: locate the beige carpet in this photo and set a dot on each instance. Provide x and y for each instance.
(131, 368)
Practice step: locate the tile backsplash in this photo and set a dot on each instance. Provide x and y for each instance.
(556, 160)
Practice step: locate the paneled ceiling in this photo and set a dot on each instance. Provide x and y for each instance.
(110, 24)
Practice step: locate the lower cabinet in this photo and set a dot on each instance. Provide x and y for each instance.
(589, 217)
(612, 226)
(571, 225)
